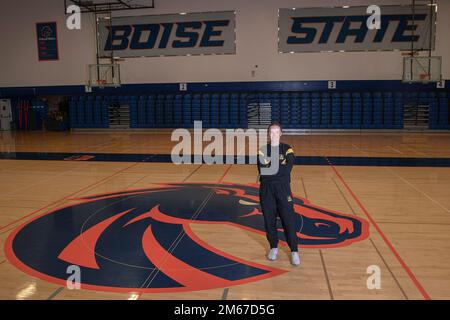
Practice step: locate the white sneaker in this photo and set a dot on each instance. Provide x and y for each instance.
(295, 259)
(272, 255)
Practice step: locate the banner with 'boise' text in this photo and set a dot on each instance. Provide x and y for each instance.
(168, 35)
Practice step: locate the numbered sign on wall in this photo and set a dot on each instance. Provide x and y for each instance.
(332, 84)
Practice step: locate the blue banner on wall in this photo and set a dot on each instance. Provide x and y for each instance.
(47, 41)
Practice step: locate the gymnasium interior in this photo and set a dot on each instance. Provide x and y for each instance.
(94, 93)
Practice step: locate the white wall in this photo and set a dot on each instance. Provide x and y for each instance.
(256, 23)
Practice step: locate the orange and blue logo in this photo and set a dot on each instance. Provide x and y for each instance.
(141, 240)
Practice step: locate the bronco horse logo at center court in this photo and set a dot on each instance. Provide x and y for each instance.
(141, 240)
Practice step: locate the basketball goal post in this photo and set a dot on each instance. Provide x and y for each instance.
(106, 71)
(104, 75)
(422, 69)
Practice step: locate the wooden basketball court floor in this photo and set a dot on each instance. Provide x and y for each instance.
(407, 210)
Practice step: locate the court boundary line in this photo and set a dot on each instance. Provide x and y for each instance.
(304, 187)
(418, 190)
(389, 269)
(362, 159)
(225, 293)
(373, 243)
(182, 233)
(416, 223)
(55, 293)
(327, 279)
(175, 242)
(330, 291)
(226, 172)
(377, 228)
(21, 189)
(383, 236)
(60, 289)
(69, 196)
(139, 294)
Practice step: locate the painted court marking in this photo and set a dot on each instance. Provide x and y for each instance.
(324, 267)
(375, 225)
(135, 297)
(373, 243)
(226, 290)
(383, 236)
(418, 190)
(180, 236)
(68, 197)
